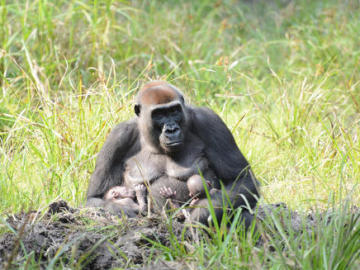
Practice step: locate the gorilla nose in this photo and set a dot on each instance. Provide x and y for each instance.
(172, 131)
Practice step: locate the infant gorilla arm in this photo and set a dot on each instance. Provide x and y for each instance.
(166, 144)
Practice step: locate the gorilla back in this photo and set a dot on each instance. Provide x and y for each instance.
(165, 145)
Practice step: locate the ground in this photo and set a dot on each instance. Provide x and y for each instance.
(65, 232)
(283, 75)
(94, 239)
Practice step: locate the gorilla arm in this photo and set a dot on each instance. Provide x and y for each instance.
(225, 159)
(109, 165)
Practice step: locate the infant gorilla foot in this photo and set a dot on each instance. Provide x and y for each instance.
(167, 192)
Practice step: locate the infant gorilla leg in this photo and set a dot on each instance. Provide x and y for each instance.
(140, 191)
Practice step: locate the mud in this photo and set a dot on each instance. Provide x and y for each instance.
(86, 238)
(95, 239)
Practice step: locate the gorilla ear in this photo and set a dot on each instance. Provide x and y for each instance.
(137, 109)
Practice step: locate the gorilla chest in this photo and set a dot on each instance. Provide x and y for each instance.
(148, 167)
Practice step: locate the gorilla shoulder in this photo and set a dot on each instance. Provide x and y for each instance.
(121, 141)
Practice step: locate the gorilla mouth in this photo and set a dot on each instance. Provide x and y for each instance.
(174, 144)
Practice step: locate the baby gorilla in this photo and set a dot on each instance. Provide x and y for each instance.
(125, 196)
(196, 190)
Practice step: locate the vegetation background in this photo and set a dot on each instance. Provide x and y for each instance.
(283, 75)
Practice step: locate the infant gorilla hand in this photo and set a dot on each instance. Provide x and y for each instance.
(167, 192)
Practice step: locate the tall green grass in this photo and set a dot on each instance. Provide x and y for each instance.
(284, 76)
(326, 241)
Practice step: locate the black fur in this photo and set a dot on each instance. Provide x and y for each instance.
(129, 158)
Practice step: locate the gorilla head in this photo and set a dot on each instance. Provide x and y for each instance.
(162, 116)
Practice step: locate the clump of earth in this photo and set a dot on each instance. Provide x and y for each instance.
(90, 238)
(95, 239)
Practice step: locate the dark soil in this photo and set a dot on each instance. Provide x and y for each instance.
(86, 238)
(95, 239)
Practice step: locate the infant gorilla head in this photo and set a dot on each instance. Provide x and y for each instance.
(134, 198)
(197, 189)
(119, 192)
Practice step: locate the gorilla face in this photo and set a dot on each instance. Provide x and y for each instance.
(162, 117)
(168, 126)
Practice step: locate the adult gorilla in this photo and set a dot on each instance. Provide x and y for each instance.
(166, 144)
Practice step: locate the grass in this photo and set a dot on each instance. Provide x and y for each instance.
(332, 243)
(282, 74)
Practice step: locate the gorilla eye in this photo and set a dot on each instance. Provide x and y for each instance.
(175, 109)
(157, 114)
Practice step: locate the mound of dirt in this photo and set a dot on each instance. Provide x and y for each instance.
(95, 239)
(84, 238)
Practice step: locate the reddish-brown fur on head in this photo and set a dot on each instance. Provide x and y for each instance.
(158, 92)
